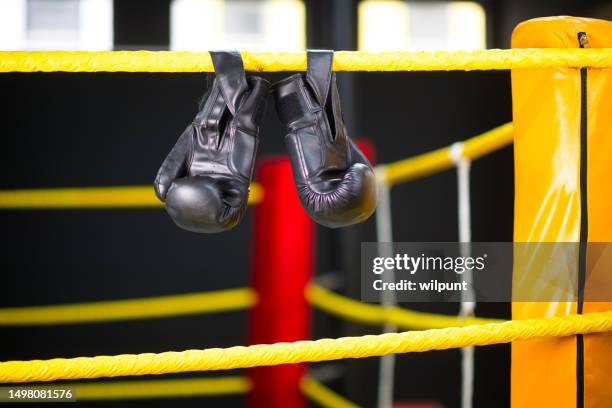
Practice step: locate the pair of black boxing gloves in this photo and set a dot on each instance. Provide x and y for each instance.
(205, 178)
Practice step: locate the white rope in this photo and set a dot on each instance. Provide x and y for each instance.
(384, 233)
(468, 304)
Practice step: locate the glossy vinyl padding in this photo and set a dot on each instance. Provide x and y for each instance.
(205, 178)
(562, 194)
(335, 182)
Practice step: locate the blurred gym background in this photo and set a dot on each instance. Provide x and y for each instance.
(70, 130)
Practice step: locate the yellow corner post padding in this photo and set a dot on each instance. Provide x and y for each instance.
(301, 351)
(555, 112)
(181, 61)
(130, 309)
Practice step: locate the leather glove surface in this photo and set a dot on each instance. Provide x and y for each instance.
(334, 180)
(205, 178)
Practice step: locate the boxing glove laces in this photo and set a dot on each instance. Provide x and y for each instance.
(335, 182)
(205, 178)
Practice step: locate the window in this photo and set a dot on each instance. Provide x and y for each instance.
(56, 25)
(265, 25)
(413, 25)
(52, 20)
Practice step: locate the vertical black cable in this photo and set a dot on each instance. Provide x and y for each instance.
(584, 224)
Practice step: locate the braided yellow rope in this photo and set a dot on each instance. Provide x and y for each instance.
(192, 387)
(322, 395)
(353, 310)
(165, 388)
(302, 351)
(130, 309)
(143, 196)
(92, 197)
(440, 159)
(168, 61)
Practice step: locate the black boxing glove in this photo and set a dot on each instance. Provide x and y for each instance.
(334, 180)
(205, 178)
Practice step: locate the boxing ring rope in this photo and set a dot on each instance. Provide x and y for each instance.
(371, 314)
(223, 301)
(325, 397)
(192, 387)
(441, 159)
(143, 196)
(130, 309)
(159, 388)
(93, 197)
(302, 351)
(181, 61)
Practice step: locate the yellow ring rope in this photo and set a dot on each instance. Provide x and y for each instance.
(130, 309)
(92, 197)
(190, 387)
(302, 351)
(180, 61)
(322, 395)
(371, 314)
(143, 196)
(223, 301)
(438, 160)
(165, 388)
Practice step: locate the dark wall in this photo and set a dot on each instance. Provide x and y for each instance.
(115, 129)
(141, 24)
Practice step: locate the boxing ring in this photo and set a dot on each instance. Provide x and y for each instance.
(269, 352)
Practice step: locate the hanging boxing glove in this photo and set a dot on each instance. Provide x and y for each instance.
(334, 180)
(205, 178)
